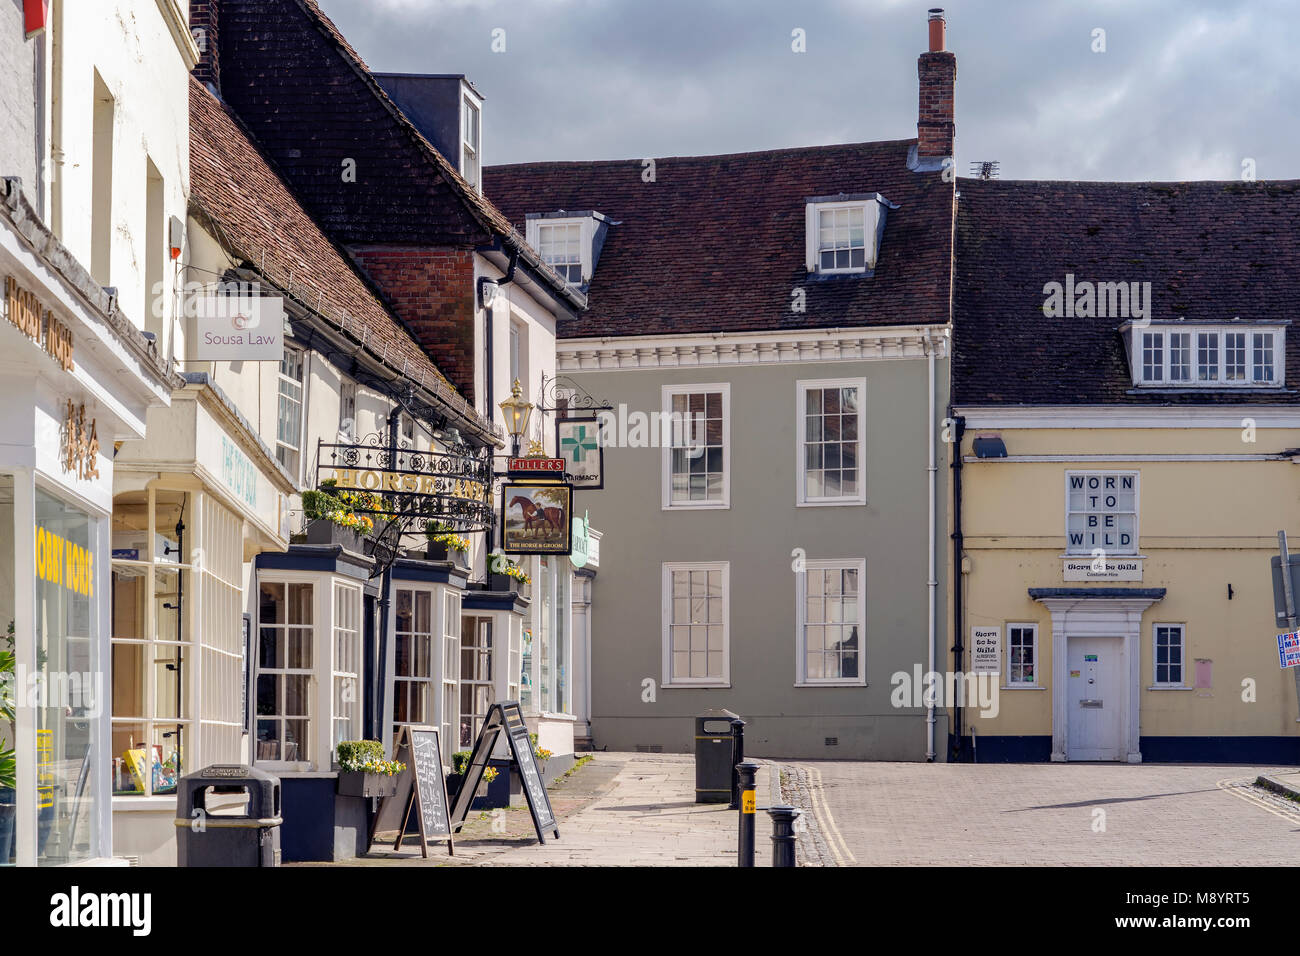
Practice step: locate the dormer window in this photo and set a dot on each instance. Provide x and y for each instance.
(560, 246)
(569, 242)
(842, 233)
(1228, 356)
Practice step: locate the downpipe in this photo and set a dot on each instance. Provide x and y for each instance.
(932, 583)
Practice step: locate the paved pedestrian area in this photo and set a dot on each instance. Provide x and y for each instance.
(1045, 814)
(618, 809)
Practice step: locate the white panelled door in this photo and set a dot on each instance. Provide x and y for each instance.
(1096, 700)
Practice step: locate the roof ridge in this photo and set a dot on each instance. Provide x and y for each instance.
(779, 151)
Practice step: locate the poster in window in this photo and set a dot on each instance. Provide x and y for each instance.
(577, 441)
(536, 519)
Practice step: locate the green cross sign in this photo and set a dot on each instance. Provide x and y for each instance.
(579, 443)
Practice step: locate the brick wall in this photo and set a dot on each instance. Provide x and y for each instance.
(204, 25)
(432, 291)
(935, 128)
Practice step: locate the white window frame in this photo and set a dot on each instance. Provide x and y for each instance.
(343, 670)
(801, 620)
(1085, 548)
(1182, 647)
(301, 384)
(666, 450)
(471, 144)
(1161, 375)
(433, 680)
(801, 428)
(1008, 682)
(812, 234)
(348, 409)
(666, 595)
(318, 723)
(586, 236)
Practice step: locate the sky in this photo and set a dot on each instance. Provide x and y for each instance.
(1168, 90)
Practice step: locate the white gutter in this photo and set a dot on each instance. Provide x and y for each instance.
(931, 582)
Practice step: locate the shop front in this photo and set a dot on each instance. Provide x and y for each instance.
(75, 380)
(194, 504)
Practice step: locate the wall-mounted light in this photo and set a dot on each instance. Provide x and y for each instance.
(487, 292)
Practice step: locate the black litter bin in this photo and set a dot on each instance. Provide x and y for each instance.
(713, 756)
(228, 815)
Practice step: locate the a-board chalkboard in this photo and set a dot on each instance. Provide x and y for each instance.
(506, 716)
(421, 789)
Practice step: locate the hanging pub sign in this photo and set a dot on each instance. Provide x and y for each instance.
(536, 519)
(578, 441)
(506, 716)
(406, 486)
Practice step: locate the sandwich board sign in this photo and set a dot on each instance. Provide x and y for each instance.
(421, 788)
(508, 718)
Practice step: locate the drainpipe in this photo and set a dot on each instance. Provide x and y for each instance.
(56, 157)
(959, 582)
(488, 396)
(931, 547)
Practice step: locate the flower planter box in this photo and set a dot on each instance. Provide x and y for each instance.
(503, 582)
(321, 531)
(495, 796)
(442, 552)
(356, 783)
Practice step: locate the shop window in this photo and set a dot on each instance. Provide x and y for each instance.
(152, 714)
(67, 712)
(830, 612)
(695, 456)
(695, 622)
(831, 442)
(284, 672)
(545, 629)
(1169, 655)
(563, 596)
(526, 669)
(346, 673)
(477, 690)
(413, 671)
(1101, 512)
(1022, 655)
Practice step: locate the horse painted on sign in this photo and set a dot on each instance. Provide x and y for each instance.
(534, 514)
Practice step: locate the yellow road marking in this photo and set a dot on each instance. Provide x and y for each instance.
(822, 810)
(1238, 791)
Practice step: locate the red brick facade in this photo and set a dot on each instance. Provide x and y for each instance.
(432, 291)
(935, 128)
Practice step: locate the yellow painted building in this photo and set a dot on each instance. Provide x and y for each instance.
(1122, 482)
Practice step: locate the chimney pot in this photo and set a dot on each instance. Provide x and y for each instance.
(937, 28)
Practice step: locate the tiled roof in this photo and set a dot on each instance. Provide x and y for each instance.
(259, 219)
(1211, 251)
(716, 243)
(314, 106)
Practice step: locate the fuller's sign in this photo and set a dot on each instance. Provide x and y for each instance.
(536, 466)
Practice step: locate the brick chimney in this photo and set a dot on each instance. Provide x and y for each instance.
(204, 23)
(937, 70)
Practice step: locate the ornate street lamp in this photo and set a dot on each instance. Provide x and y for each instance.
(516, 412)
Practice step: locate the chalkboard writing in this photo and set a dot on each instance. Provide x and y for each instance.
(420, 790)
(506, 716)
(430, 783)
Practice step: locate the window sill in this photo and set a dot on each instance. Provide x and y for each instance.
(1172, 687)
(567, 718)
(831, 683)
(702, 506)
(700, 686)
(1023, 687)
(143, 804)
(832, 503)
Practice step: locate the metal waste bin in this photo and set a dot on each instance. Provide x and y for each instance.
(228, 815)
(713, 756)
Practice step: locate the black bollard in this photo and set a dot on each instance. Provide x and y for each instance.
(783, 849)
(737, 755)
(748, 804)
